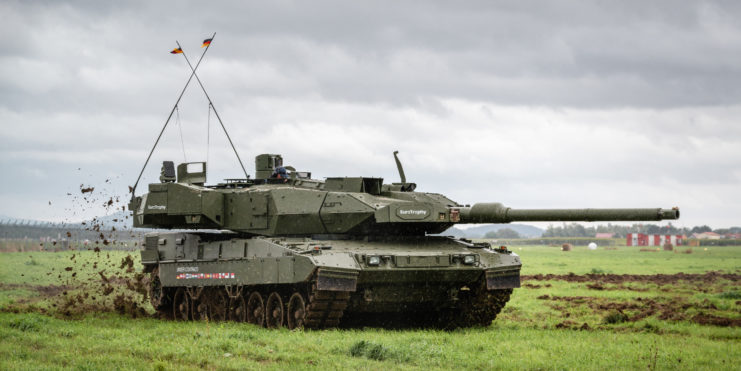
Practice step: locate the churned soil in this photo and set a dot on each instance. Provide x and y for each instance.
(668, 308)
(658, 279)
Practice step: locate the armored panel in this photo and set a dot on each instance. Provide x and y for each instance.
(422, 261)
(344, 184)
(150, 256)
(233, 250)
(285, 270)
(155, 203)
(212, 206)
(191, 248)
(179, 252)
(183, 200)
(341, 213)
(212, 251)
(247, 210)
(151, 242)
(259, 210)
(254, 270)
(297, 211)
(269, 270)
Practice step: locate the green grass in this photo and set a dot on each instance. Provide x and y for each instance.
(98, 342)
(628, 260)
(530, 333)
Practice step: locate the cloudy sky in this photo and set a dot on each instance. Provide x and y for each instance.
(532, 104)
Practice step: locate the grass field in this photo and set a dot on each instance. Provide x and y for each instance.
(624, 308)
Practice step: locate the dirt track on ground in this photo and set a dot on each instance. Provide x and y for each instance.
(668, 308)
(659, 279)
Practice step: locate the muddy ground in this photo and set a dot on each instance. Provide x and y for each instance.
(669, 307)
(659, 279)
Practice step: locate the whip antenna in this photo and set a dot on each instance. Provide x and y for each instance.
(208, 132)
(178, 50)
(207, 43)
(180, 125)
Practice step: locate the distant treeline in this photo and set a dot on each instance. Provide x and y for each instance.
(723, 242)
(621, 231)
(60, 231)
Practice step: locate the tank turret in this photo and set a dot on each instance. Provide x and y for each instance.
(279, 203)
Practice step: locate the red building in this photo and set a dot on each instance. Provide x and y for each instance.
(640, 239)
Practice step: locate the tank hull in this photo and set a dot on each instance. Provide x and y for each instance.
(342, 281)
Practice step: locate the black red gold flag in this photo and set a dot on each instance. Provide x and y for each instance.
(206, 43)
(176, 51)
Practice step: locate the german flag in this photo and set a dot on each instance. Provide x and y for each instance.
(206, 43)
(176, 51)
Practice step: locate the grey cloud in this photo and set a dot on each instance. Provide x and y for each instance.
(635, 97)
(580, 54)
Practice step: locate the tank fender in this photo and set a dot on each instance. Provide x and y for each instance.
(502, 270)
(502, 279)
(336, 272)
(333, 279)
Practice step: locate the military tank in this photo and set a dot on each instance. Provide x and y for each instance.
(284, 249)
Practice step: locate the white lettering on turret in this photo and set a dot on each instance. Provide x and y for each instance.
(156, 207)
(412, 212)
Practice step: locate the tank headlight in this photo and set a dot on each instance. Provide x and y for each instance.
(374, 260)
(469, 259)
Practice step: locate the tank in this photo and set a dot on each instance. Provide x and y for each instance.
(283, 249)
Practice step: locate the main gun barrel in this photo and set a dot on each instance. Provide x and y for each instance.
(498, 213)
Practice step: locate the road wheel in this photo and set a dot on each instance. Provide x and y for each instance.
(238, 309)
(296, 311)
(274, 311)
(200, 308)
(181, 308)
(256, 309)
(218, 305)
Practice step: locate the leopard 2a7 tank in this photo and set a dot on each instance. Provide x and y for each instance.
(284, 249)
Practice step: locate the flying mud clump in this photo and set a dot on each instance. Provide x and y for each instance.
(97, 281)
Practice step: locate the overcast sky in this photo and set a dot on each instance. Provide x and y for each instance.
(532, 104)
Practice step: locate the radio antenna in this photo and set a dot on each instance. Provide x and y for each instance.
(216, 113)
(174, 107)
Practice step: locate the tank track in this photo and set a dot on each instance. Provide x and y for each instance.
(482, 309)
(325, 308)
(477, 307)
